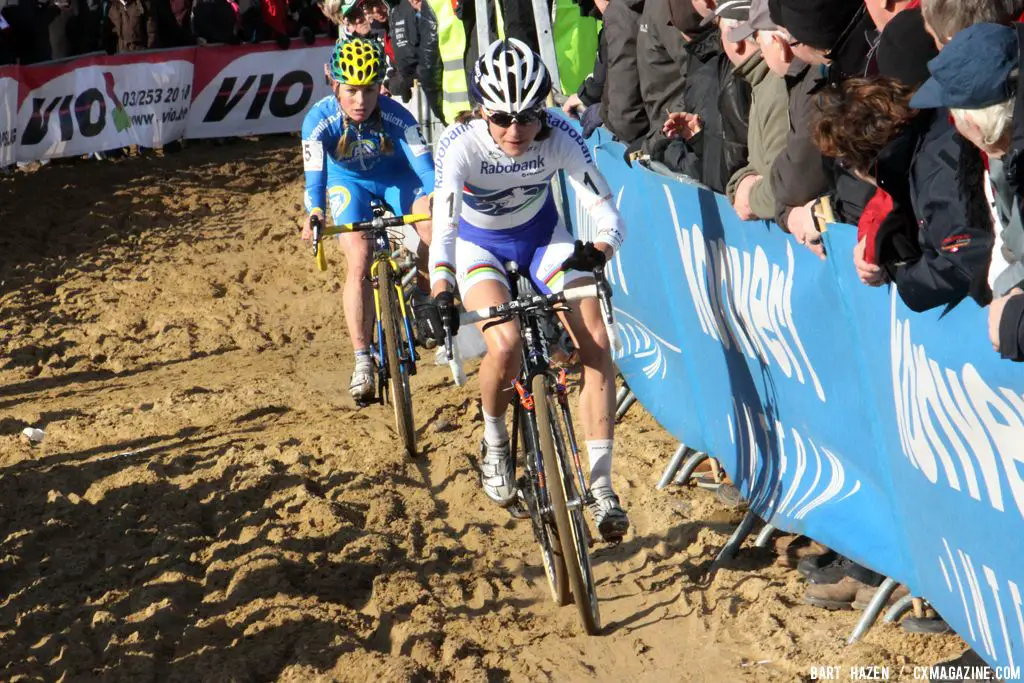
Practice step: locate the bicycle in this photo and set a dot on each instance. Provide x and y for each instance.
(393, 348)
(552, 492)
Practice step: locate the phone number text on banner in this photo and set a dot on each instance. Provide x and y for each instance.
(103, 103)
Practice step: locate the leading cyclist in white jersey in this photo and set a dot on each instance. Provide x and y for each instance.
(493, 204)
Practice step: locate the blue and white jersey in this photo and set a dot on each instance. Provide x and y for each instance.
(479, 186)
(323, 128)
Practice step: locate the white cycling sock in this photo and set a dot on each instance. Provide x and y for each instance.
(363, 357)
(600, 452)
(495, 429)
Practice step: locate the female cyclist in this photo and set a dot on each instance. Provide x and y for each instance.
(494, 204)
(357, 146)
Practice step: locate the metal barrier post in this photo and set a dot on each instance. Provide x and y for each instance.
(695, 459)
(873, 609)
(764, 536)
(673, 465)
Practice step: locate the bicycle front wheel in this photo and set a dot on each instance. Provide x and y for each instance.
(397, 371)
(566, 506)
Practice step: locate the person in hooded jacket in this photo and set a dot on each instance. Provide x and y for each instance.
(661, 61)
(585, 104)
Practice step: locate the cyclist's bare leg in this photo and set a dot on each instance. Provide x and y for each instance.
(358, 295)
(497, 370)
(501, 363)
(597, 412)
(423, 229)
(597, 399)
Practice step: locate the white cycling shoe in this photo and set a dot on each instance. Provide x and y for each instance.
(361, 385)
(611, 520)
(498, 473)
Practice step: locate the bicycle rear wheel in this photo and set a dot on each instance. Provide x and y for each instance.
(567, 507)
(547, 536)
(397, 371)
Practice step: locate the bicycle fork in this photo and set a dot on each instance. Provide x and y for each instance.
(562, 395)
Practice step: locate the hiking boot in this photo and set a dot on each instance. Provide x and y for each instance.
(815, 562)
(498, 473)
(361, 385)
(611, 520)
(831, 573)
(839, 595)
(791, 549)
(864, 596)
(927, 625)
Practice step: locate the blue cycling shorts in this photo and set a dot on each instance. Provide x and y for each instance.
(348, 195)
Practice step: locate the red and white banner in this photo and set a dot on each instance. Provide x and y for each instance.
(8, 116)
(256, 90)
(105, 102)
(97, 103)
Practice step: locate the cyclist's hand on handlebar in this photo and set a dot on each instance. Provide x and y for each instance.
(445, 302)
(586, 257)
(307, 229)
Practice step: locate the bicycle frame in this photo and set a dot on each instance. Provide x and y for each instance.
(535, 362)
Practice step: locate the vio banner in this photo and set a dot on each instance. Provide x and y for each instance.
(8, 116)
(255, 90)
(893, 437)
(101, 103)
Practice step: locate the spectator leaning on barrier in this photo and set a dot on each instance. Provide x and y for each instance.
(978, 76)
(936, 242)
(414, 36)
(622, 105)
(134, 24)
(946, 18)
(215, 21)
(661, 57)
(750, 188)
(799, 174)
(709, 134)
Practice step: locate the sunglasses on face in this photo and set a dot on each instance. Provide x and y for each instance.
(523, 118)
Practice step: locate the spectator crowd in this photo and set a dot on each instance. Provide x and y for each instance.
(894, 116)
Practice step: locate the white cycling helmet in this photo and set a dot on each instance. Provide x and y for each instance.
(510, 77)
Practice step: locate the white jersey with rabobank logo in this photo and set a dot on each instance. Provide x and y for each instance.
(480, 187)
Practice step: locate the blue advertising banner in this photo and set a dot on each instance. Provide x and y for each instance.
(894, 437)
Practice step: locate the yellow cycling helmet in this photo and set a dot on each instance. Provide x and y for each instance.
(357, 61)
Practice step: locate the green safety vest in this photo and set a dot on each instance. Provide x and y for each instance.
(452, 45)
(575, 44)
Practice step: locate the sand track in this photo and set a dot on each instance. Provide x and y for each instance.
(209, 506)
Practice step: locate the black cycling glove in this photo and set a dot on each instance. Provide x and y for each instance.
(445, 302)
(585, 257)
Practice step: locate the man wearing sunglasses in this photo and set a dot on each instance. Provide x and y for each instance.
(494, 204)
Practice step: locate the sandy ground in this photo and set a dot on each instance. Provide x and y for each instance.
(208, 505)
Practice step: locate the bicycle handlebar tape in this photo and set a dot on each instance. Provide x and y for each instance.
(415, 218)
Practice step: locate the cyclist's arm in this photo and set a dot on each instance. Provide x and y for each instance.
(451, 170)
(593, 192)
(314, 162)
(417, 153)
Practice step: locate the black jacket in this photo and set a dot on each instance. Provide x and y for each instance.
(622, 106)
(1011, 329)
(722, 100)
(662, 57)
(414, 36)
(935, 179)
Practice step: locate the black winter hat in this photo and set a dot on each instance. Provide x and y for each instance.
(905, 48)
(817, 23)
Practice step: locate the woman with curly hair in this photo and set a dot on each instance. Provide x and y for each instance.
(934, 241)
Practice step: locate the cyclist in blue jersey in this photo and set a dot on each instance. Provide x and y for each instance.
(356, 147)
